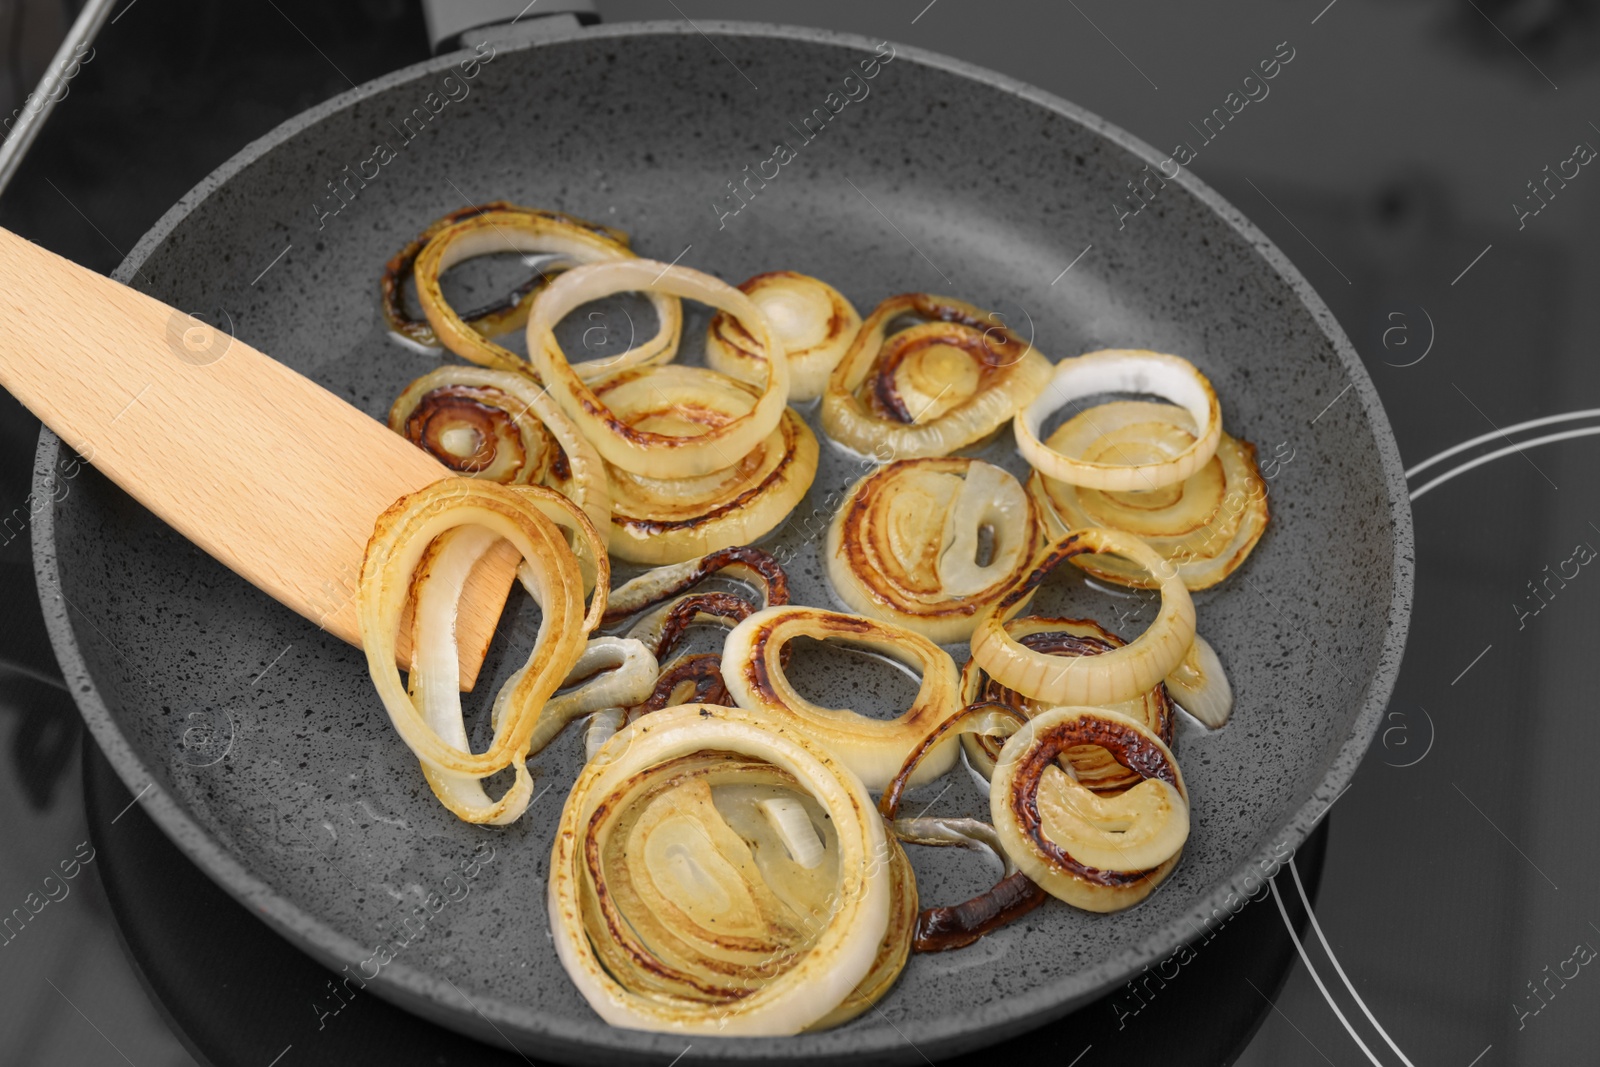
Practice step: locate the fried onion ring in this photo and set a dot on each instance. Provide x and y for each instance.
(1205, 525)
(753, 670)
(760, 945)
(905, 544)
(531, 231)
(1108, 678)
(1092, 766)
(501, 426)
(666, 520)
(698, 445)
(424, 546)
(1097, 853)
(810, 318)
(929, 389)
(1122, 370)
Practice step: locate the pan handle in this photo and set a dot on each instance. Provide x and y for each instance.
(456, 24)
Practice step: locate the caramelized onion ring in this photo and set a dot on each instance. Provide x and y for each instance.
(664, 520)
(519, 230)
(1117, 849)
(1122, 370)
(1205, 525)
(932, 388)
(644, 451)
(1092, 766)
(955, 926)
(624, 980)
(424, 546)
(811, 320)
(493, 320)
(903, 546)
(1114, 676)
(502, 426)
(874, 749)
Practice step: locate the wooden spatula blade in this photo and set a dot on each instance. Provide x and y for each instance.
(267, 471)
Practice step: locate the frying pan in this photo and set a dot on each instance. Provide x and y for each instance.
(254, 740)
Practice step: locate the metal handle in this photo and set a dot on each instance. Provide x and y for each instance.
(452, 22)
(30, 119)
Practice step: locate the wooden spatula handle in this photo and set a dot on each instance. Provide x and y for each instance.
(267, 471)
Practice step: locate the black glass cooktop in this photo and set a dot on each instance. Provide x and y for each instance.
(1426, 164)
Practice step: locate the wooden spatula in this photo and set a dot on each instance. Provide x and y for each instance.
(267, 471)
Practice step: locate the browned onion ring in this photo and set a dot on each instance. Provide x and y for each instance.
(1014, 805)
(491, 320)
(1095, 768)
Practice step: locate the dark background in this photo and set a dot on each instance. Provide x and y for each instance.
(1462, 862)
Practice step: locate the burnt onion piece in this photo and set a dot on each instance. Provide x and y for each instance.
(904, 545)
(530, 231)
(1095, 852)
(811, 320)
(745, 563)
(1092, 766)
(928, 389)
(688, 679)
(1205, 526)
(676, 909)
(944, 927)
(423, 548)
(1117, 675)
(494, 319)
(1122, 370)
(503, 427)
(702, 447)
(666, 520)
(753, 659)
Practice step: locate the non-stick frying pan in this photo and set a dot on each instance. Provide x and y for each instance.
(255, 740)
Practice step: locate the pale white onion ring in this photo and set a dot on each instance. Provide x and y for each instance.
(424, 546)
(1122, 370)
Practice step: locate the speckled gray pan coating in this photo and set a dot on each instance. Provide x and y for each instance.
(289, 787)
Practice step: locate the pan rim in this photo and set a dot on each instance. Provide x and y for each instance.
(946, 1036)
